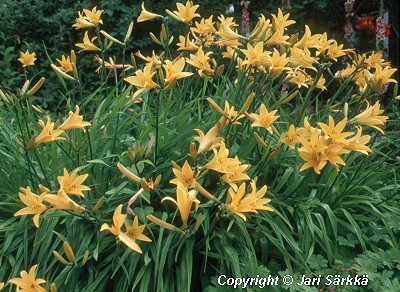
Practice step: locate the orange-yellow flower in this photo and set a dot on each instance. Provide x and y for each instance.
(358, 142)
(371, 117)
(48, 133)
(90, 18)
(184, 176)
(256, 56)
(264, 119)
(174, 71)
(201, 62)
(239, 202)
(87, 44)
(28, 282)
(281, 21)
(184, 201)
(62, 202)
(290, 138)
(221, 162)
(143, 80)
(34, 205)
(27, 59)
(72, 184)
(185, 13)
(74, 121)
(313, 152)
(208, 141)
(335, 132)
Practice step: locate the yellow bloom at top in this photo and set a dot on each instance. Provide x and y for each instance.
(290, 138)
(28, 282)
(382, 76)
(313, 151)
(204, 27)
(73, 184)
(229, 36)
(91, 19)
(34, 205)
(371, 117)
(185, 13)
(281, 21)
(74, 121)
(62, 202)
(146, 15)
(264, 119)
(27, 59)
(184, 201)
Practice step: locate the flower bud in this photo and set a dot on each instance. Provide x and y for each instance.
(68, 251)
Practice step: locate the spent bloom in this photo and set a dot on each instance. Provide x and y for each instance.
(27, 59)
(185, 13)
(28, 282)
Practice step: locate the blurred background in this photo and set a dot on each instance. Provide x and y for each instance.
(45, 27)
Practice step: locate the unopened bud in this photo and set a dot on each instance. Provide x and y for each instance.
(31, 143)
(215, 106)
(193, 150)
(175, 165)
(85, 258)
(61, 73)
(150, 146)
(157, 181)
(246, 104)
(130, 154)
(69, 252)
(53, 287)
(111, 38)
(219, 71)
(25, 86)
(98, 204)
(290, 97)
(60, 258)
(260, 141)
(43, 189)
(164, 224)
(163, 34)
(346, 109)
(128, 173)
(155, 39)
(198, 222)
(129, 32)
(206, 193)
(36, 87)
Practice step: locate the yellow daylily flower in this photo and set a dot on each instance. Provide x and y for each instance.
(301, 58)
(229, 36)
(204, 27)
(146, 15)
(152, 61)
(48, 134)
(184, 176)
(238, 203)
(332, 152)
(62, 202)
(357, 143)
(87, 44)
(1, 285)
(277, 63)
(313, 152)
(72, 184)
(291, 138)
(74, 121)
(28, 282)
(93, 16)
(208, 141)
(174, 72)
(184, 201)
(335, 51)
(185, 13)
(133, 232)
(308, 40)
(65, 64)
(236, 173)
(221, 162)
(264, 119)
(382, 76)
(143, 80)
(27, 59)
(201, 62)
(281, 21)
(118, 221)
(371, 117)
(334, 133)
(185, 44)
(82, 22)
(34, 205)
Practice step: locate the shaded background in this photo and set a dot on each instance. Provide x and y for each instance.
(38, 25)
